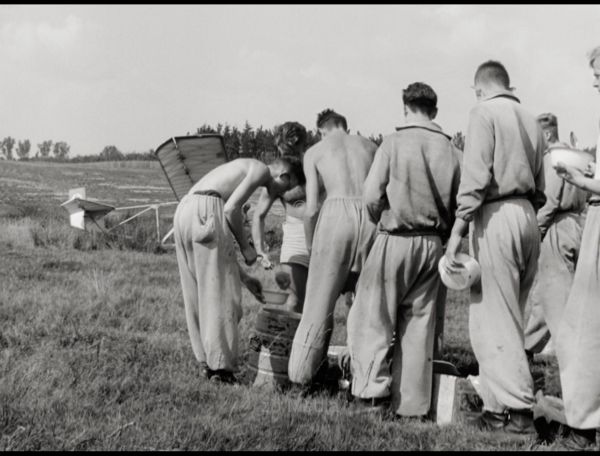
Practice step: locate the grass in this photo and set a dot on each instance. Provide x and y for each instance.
(95, 355)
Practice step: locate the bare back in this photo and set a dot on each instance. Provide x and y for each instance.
(343, 162)
(226, 178)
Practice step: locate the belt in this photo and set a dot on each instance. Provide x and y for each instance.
(506, 197)
(208, 193)
(423, 232)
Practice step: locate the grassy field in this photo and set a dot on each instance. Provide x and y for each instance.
(94, 351)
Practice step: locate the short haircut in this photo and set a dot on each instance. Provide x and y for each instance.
(548, 121)
(329, 117)
(492, 71)
(420, 96)
(290, 138)
(593, 55)
(292, 165)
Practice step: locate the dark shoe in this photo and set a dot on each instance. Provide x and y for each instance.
(221, 376)
(489, 421)
(520, 422)
(579, 440)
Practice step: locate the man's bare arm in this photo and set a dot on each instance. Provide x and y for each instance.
(265, 201)
(256, 176)
(312, 199)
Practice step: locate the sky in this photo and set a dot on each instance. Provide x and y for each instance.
(135, 75)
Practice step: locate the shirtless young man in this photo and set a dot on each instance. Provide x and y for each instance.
(290, 139)
(338, 237)
(204, 222)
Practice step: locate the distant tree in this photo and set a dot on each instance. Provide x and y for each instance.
(459, 140)
(111, 153)
(248, 143)
(312, 138)
(205, 128)
(61, 149)
(23, 149)
(234, 143)
(7, 147)
(44, 148)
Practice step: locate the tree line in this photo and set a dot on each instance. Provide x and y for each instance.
(248, 141)
(45, 149)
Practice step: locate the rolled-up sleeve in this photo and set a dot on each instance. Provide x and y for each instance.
(478, 160)
(374, 195)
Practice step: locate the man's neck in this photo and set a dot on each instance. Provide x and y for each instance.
(415, 117)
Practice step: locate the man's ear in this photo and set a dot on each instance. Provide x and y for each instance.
(284, 175)
(434, 113)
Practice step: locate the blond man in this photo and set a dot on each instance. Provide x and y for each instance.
(501, 188)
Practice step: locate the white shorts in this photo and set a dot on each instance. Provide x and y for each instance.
(293, 244)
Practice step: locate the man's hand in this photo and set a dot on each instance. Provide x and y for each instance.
(254, 286)
(571, 174)
(265, 261)
(459, 230)
(451, 250)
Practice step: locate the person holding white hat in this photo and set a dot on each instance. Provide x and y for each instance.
(578, 340)
(411, 193)
(501, 188)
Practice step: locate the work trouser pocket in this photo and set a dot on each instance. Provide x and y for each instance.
(204, 231)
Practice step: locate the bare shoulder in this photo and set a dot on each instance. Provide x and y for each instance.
(312, 152)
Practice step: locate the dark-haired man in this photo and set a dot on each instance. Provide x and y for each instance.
(290, 139)
(411, 193)
(561, 224)
(342, 236)
(211, 278)
(501, 188)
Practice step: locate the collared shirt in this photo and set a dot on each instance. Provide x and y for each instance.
(413, 181)
(560, 195)
(503, 155)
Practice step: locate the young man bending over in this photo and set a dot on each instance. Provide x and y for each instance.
(205, 223)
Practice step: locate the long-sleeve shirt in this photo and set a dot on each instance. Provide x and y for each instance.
(560, 196)
(413, 181)
(503, 155)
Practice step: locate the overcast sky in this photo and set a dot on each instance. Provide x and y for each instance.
(135, 75)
